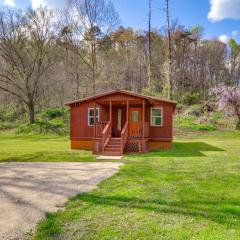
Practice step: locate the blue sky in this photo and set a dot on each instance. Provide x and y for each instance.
(221, 23)
(219, 18)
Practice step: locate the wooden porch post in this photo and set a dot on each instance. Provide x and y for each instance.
(143, 119)
(110, 111)
(127, 110)
(94, 119)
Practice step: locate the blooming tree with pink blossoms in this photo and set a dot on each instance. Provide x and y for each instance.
(229, 100)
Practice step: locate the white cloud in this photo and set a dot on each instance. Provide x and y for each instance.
(10, 3)
(49, 3)
(224, 9)
(235, 33)
(223, 38)
(38, 3)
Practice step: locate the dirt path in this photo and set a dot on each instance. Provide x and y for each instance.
(29, 190)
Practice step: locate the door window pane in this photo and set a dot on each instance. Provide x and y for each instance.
(135, 116)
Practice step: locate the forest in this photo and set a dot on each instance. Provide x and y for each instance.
(50, 56)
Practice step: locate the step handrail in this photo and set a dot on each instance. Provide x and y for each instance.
(106, 134)
(124, 136)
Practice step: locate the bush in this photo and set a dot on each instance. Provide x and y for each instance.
(215, 117)
(7, 125)
(194, 110)
(54, 113)
(185, 122)
(55, 126)
(190, 98)
(194, 123)
(8, 113)
(203, 127)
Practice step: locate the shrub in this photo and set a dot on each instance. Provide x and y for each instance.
(7, 125)
(194, 123)
(55, 126)
(215, 117)
(190, 98)
(185, 122)
(203, 127)
(8, 113)
(28, 128)
(54, 113)
(194, 110)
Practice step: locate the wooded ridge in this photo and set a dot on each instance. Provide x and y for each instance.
(49, 57)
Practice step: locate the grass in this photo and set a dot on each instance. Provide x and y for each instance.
(189, 192)
(39, 148)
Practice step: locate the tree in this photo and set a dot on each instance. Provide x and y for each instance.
(229, 100)
(150, 45)
(27, 50)
(168, 65)
(234, 61)
(87, 21)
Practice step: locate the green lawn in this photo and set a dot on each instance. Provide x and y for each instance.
(39, 148)
(189, 192)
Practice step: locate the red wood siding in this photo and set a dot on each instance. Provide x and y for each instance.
(165, 132)
(79, 117)
(79, 128)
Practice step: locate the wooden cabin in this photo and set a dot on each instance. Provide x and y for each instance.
(118, 122)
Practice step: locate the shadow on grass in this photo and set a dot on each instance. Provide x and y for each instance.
(222, 212)
(184, 149)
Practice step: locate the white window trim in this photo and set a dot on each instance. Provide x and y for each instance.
(89, 109)
(152, 125)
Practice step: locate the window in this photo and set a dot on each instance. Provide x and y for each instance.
(156, 116)
(91, 116)
(135, 116)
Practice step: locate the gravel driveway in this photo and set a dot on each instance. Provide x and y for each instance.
(29, 190)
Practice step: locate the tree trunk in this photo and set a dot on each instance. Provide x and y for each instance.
(150, 47)
(238, 123)
(31, 112)
(94, 65)
(169, 51)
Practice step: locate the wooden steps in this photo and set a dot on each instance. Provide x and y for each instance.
(113, 147)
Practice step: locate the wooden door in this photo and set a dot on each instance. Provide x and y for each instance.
(135, 122)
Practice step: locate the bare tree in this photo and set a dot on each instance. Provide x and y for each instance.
(86, 23)
(149, 45)
(27, 44)
(168, 65)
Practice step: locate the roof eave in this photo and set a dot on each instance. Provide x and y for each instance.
(147, 98)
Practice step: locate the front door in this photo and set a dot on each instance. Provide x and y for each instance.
(135, 122)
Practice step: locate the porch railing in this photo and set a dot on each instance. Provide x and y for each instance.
(106, 135)
(100, 127)
(124, 136)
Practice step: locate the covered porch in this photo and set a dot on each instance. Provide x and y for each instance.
(126, 128)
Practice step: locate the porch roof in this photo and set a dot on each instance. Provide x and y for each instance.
(141, 96)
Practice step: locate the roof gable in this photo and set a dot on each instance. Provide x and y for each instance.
(109, 93)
